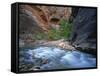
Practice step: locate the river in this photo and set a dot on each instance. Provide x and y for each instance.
(49, 58)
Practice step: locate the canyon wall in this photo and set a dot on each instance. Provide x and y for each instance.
(44, 17)
(37, 18)
(84, 33)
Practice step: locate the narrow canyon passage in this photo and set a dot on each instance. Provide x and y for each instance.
(57, 37)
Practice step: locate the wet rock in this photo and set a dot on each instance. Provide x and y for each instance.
(84, 32)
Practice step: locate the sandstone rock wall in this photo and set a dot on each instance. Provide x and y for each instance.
(44, 17)
(34, 14)
(37, 18)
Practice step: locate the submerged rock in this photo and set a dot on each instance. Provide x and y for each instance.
(48, 58)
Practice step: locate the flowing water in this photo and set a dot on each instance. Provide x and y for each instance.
(48, 58)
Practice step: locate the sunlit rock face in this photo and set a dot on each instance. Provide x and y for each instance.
(48, 58)
(43, 17)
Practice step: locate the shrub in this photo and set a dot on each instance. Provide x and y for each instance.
(63, 32)
(65, 29)
(53, 34)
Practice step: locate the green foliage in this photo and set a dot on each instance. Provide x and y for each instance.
(63, 32)
(53, 34)
(65, 29)
(39, 36)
